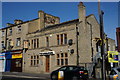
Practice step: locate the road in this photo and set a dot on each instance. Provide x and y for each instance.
(27, 76)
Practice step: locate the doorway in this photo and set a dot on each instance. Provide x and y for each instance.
(47, 63)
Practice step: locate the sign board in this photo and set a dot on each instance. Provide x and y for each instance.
(47, 53)
(113, 56)
(14, 56)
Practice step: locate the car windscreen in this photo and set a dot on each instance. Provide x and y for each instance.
(118, 69)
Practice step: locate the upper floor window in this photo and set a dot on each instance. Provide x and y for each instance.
(58, 40)
(9, 43)
(19, 28)
(3, 33)
(65, 38)
(47, 41)
(2, 44)
(35, 43)
(18, 41)
(62, 39)
(10, 31)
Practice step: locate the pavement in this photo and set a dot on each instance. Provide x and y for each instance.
(24, 76)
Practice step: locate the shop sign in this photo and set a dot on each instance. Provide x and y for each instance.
(14, 56)
(8, 55)
(47, 53)
(2, 56)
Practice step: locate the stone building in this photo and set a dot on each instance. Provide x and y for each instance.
(51, 44)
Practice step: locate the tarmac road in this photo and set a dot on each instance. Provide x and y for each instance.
(19, 78)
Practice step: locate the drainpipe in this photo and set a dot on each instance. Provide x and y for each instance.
(6, 40)
(91, 41)
(77, 44)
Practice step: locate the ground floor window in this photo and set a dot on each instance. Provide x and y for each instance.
(62, 59)
(34, 60)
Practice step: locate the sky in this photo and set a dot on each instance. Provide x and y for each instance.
(65, 10)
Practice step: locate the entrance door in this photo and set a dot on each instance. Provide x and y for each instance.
(47, 63)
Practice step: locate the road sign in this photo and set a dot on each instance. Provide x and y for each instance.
(113, 56)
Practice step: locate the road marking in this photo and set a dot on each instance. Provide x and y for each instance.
(24, 76)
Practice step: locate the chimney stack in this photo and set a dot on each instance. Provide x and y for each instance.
(41, 22)
(82, 13)
(16, 21)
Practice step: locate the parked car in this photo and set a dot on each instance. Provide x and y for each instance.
(115, 74)
(71, 73)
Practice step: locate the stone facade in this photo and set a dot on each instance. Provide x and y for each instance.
(52, 44)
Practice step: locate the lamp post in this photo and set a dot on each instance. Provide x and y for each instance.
(102, 41)
(25, 47)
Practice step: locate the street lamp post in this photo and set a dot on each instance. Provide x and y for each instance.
(102, 41)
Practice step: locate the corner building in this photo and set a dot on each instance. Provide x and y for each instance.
(49, 46)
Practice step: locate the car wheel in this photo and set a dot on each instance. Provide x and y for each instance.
(74, 78)
(53, 77)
